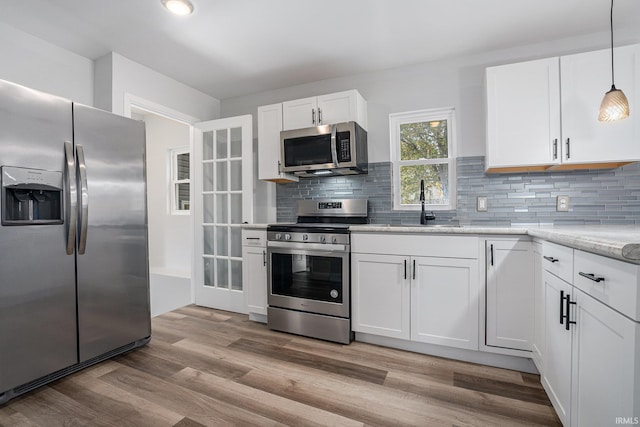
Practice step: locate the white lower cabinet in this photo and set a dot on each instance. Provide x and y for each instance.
(590, 368)
(537, 346)
(444, 305)
(556, 377)
(428, 299)
(509, 294)
(380, 292)
(254, 270)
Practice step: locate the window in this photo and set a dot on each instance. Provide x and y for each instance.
(423, 148)
(180, 181)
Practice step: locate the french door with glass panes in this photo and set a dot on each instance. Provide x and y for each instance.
(223, 200)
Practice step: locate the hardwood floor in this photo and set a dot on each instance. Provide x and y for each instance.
(209, 367)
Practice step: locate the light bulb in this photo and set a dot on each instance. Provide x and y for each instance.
(178, 7)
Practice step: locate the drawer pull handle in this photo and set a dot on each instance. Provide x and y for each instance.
(568, 309)
(252, 238)
(551, 259)
(591, 277)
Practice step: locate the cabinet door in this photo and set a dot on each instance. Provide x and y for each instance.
(444, 301)
(337, 107)
(604, 364)
(523, 114)
(269, 155)
(585, 79)
(254, 273)
(538, 307)
(509, 304)
(299, 113)
(556, 377)
(380, 295)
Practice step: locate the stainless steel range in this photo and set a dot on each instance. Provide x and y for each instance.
(309, 269)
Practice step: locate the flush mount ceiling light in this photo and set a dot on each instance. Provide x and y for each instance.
(614, 105)
(178, 7)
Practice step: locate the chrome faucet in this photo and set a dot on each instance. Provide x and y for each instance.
(423, 214)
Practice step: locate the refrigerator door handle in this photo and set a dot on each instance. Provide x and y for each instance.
(84, 200)
(72, 198)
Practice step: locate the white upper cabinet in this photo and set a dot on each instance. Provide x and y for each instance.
(544, 114)
(301, 113)
(325, 110)
(585, 78)
(523, 115)
(269, 127)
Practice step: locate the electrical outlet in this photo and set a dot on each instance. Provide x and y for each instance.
(562, 204)
(481, 205)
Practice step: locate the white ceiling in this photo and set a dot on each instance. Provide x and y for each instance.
(229, 48)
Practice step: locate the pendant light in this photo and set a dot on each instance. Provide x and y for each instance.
(614, 105)
(178, 7)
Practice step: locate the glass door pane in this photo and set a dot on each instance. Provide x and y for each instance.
(224, 186)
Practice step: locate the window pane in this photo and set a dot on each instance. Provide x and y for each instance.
(436, 184)
(223, 273)
(182, 197)
(236, 142)
(424, 140)
(207, 146)
(221, 144)
(182, 167)
(236, 275)
(236, 175)
(207, 177)
(209, 271)
(221, 176)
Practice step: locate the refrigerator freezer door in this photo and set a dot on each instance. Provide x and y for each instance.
(112, 273)
(37, 277)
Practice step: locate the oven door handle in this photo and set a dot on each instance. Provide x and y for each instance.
(310, 246)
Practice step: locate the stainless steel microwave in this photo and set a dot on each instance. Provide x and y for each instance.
(339, 149)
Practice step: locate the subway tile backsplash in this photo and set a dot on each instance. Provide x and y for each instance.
(609, 196)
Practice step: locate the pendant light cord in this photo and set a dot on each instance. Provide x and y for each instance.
(613, 85)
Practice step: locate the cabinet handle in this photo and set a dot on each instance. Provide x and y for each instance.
(252, 238)
(561, 307)
(414, 269)
(568, 309)
(313, 116)
(551, 259)
(491, 249)
(405, 269)
(568, 148)
(279, 168)
(591, 277)
(264, 258)
(319, 116)
(555, 149)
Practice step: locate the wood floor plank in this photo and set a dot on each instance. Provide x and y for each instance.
(348, 369)
(283, 410)
(454, 397)
(209, 367)
(501, 388)
(193, 405)
(202, 362)
(48, 407)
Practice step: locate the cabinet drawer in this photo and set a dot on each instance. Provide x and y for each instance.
(415, 245)
(558, 259)
(613, 282)
(254, 238)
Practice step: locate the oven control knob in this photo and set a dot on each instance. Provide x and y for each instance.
(305, 237)
(323, 239)
(278, 236)
(334, 240)
(287, 236)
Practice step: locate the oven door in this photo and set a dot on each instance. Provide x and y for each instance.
(308, 277)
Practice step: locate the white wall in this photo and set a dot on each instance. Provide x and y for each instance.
(35, 63)
(170, 244)
(116, 76)
(457, 83)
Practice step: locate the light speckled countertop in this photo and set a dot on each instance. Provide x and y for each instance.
(615, 241)
(621, 242)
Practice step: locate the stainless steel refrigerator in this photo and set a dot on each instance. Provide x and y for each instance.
(74, 283)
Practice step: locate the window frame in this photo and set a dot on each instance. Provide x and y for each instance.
(427, 115)
(174, 182)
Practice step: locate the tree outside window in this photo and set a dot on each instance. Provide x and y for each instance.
(423, 148)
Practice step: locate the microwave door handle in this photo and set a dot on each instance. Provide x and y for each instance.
(334, 149)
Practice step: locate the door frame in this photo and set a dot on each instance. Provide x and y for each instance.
(132, 101)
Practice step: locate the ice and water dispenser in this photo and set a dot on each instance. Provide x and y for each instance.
(31, 196)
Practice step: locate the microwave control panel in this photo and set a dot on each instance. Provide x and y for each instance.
(344, 147)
